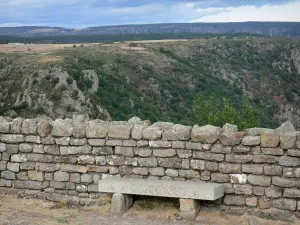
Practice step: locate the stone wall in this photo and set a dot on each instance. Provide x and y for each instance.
(64, 159)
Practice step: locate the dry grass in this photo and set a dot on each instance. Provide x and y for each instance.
(155, 208)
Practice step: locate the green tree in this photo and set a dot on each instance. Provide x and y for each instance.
(219, 110)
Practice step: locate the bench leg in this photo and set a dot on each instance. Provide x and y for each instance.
(120, 203)
(189, 208)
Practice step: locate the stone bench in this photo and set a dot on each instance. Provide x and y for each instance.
(188, 192)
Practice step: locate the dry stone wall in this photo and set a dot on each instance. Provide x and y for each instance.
(65, 159)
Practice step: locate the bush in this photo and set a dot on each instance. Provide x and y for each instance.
(218, 111)
(132, 45)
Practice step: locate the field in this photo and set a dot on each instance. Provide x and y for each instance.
(47, 48)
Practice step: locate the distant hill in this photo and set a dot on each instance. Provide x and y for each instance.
(287, 29)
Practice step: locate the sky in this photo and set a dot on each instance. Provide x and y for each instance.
(88, 13)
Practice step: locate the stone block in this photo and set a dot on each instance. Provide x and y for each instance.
(234, 200)
(51, 149)
(115, 160)
(160, 144)
(207, 134)
(232, 138)
(265, 159)
(2, 147)
(14, 167)
(273, 192)
(29, 126)
(125, 170)
(16, 124)
(12, 138)
(238, 178)
(140, 171)
(285, 203)
(119, 131)
(75, 177)
(291, 172)
(177, 133)
(291, 193)
(193, 145)
(269, 140)
(220, 178)
(62, 128)
(198, 164)
(189, 174)
(283, 182)
(38, 149)
(96, 129)
(170, 162)
(12, 149)
(212, 166)
(208, 156)
(273, 170)
(86, 159)
(205, 175)
(238, 158)
(264, 203)
(288, 140)
(33, 139)
(27, 184)
(143, 152)
(61, 176)
(129, 143)
(3, 165)
(27, 166)
(229, 168)
(97, 169)
(189, 208)
(100, 160)
(163, 188)
(289, 161)
(77, 141)
(264, 181)
(164, 152)
(120, 203)
(114, 142)
(152, 133)
(251, 201)
(63, 141)
(157, 171)
(126, 151)
(241, 149)
(25, 148)
(4, 127)
(34, 175)
(257, 190)
(103, 150)
(9, 175)
(178, 144)
(251, 140)
(142, 143)
(44, 128)
(243, 189)
(218, 148)
(272, 151)
(18, 158)
(253, 169)
(137, 131)
(86, 178)
(293, 153)
(184, 154)
(96, 142)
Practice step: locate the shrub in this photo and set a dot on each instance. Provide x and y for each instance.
(132, 44)
(217, 111)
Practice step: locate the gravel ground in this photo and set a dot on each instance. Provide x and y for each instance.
(17, 211)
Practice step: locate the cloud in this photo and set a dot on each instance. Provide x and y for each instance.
(270, 12)
(82, 13)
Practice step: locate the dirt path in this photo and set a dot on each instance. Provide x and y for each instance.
(20, 211)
